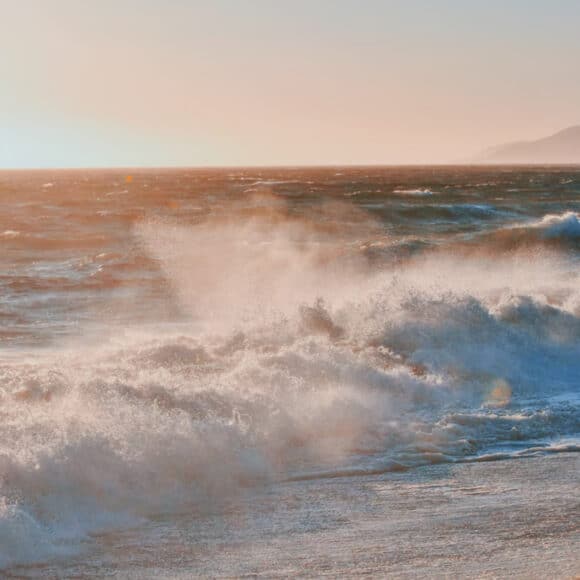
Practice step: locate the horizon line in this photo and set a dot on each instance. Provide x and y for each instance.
(284, 166)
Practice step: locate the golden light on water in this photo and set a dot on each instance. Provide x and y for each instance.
(500, 394)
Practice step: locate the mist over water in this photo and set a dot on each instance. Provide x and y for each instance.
(172, 340)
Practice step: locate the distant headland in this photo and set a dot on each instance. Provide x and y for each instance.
(562, 147)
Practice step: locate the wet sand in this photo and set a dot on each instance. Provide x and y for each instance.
(516, 518)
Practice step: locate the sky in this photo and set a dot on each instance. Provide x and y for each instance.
(99, 83)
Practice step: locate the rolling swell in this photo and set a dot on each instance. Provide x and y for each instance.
(556, 231)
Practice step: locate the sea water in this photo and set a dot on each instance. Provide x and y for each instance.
(177, 346)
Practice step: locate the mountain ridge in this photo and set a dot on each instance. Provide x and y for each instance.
(562, 147)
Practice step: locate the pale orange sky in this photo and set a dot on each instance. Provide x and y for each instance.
(272, 82)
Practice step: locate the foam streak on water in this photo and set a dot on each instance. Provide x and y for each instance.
(173, 340)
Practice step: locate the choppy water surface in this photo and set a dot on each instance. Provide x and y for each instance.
(171, 340)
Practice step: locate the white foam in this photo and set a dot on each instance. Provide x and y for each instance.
(565, 225)
(418, 192)
(10, 234)
(293, 355)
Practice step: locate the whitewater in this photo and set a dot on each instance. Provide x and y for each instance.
(180, 346)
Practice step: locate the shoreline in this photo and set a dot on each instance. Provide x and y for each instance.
(467, 520)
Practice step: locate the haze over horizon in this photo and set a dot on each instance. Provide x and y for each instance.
(127, 83)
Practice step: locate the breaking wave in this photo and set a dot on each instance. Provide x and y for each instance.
(295, 357)
(565, 225)
(419, 191)
(553, 232)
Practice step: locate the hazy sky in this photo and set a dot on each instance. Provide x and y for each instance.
(261, 82)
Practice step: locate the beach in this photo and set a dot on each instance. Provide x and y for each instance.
(484, 520)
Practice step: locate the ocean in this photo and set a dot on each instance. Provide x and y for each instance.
(290, 372)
